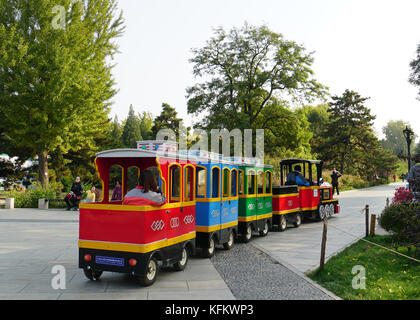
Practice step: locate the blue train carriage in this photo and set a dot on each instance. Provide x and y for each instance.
(216, 202)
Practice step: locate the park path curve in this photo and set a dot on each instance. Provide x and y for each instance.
(299, 248)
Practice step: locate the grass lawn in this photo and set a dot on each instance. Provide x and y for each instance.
(388, 276)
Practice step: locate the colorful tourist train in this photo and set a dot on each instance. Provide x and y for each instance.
(210, 200)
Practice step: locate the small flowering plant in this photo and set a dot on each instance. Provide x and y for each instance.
(403, 195)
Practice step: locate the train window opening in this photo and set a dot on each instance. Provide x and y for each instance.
(133, 175)
(226, 182)
(234, 183)
(268, 182)
(241, 184)
(189, 183)
(260, 181)
(251, 182)
(215, 173)
(175, 183)
(201, 182)
(115, 181)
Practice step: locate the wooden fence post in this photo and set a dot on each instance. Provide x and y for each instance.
(323, 244)
(372, 224)
(367, 220)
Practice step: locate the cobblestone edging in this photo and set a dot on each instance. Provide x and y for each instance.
(251, 273)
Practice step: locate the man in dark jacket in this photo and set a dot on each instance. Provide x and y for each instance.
(334, 178)
(75, 195)
(296, 178)
(414, 175)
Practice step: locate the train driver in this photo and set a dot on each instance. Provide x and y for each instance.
(296, 178)
(146, 193)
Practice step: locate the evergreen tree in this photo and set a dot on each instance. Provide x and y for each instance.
(349, 135)
(168, 119)
(131, 133)
(116, 133)
(146, 125)
(55, 77)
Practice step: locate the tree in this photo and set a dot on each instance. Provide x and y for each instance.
(394, 137)
(168, 119)
(242, 71)
(415, 70)
(284, 129)
(131, 133)
(116, 134)
(55, 75)
(146, 125)
(349, 135)
(318, 118)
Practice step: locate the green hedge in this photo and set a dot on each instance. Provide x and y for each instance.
(29, 198)
(403, 220)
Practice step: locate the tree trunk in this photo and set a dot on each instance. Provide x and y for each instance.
(43, 168)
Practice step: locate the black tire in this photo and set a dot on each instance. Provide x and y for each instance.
(264, 232)
(246, 237)
(298, 220)
(211, 249)
(180, 265)
(92, 274)
(228, 245)
(151, 273)
(283, 223)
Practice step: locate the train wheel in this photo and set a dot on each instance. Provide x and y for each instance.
(330, 211)
(321, 213)
(246, 237)
(180, 265)
(228, 245)
(209, 252)
(151, 273)
(264, 231)
(298, 220)
(91, 273)
(283, 223)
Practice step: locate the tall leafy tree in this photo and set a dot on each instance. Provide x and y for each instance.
(55, 73)
(415, 70)
(349, 134)
(131, 133)
(394, 137)
(242, 70)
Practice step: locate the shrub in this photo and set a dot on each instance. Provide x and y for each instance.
(402, 195)
(29, 198)
(403, 219)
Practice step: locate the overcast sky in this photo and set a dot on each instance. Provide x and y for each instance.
(365, 46)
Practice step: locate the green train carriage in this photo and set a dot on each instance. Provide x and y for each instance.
(255, 199)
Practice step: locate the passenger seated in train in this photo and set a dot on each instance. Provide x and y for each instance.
(296, 178)
(146, 193)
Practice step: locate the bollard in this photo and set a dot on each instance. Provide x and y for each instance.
(43, 204)
(372, 224)
(387, 202)
(367, 220)
(323, 244)
(10, 203)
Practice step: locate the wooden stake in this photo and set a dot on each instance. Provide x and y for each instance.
(367, 220)
(323, 244)
(372, 224)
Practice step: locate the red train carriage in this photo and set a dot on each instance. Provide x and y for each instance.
(138, 239)
(292, 203)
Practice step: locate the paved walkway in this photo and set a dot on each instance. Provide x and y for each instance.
(33, 241)
(300, 248)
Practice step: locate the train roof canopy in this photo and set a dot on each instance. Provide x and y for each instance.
(294, 161)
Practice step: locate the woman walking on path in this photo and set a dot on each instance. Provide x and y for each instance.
(334, 177)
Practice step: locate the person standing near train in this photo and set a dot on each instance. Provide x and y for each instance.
(334, 178)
